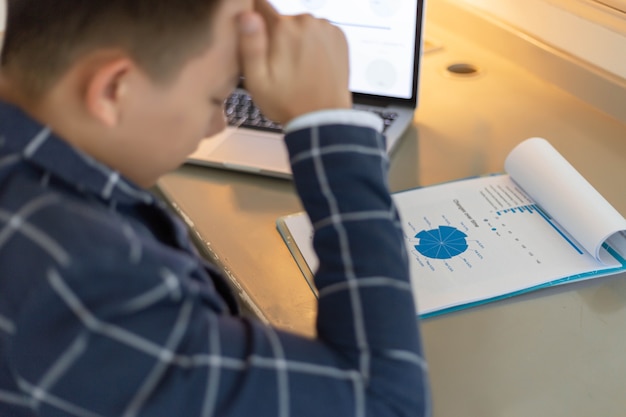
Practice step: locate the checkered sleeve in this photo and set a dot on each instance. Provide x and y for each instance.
(103, 319)
(366, 309)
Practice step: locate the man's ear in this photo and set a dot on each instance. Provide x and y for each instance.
(106, 87)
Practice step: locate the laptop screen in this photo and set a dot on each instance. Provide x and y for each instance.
(383, 36)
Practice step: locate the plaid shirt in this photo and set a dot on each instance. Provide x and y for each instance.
(107, 310)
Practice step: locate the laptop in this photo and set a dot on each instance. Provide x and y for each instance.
(385, 43)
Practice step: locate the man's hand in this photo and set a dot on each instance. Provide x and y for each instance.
(293, 65)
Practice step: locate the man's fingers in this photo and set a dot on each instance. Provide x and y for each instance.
(266, 10)
(292, 65)
(254, 46)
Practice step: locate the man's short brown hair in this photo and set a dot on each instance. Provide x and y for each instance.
(44, 38)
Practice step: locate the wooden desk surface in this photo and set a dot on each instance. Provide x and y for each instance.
(557, 352)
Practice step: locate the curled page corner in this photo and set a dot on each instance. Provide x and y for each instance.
(565, 194)
(616, 247)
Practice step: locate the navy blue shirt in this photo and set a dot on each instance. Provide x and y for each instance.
(106, 309)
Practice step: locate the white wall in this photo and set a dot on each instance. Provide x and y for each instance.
(3, 9)
(570, 31)
(3, 14)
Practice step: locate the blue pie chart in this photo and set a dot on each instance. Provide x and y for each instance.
(445, 242)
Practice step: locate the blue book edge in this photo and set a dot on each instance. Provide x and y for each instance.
(565, 280)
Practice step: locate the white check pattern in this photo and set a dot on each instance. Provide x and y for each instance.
(107, 310)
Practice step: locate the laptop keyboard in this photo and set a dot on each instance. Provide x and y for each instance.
(240, 110)
(388, 118)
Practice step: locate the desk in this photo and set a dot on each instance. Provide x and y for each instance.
(558, 352)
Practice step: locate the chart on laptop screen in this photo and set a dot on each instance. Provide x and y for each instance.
(381, 36)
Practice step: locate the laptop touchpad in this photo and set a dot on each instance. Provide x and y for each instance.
(255, 150)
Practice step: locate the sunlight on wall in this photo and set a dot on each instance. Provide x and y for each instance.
(563, 29)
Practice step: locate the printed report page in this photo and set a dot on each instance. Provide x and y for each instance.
(483, 238)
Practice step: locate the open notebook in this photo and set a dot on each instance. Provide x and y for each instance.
(482, 239)
(385, 41)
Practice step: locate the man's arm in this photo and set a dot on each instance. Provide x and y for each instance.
(297, 71)
(366, 312)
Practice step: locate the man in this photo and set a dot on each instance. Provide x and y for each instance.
(105, 307)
